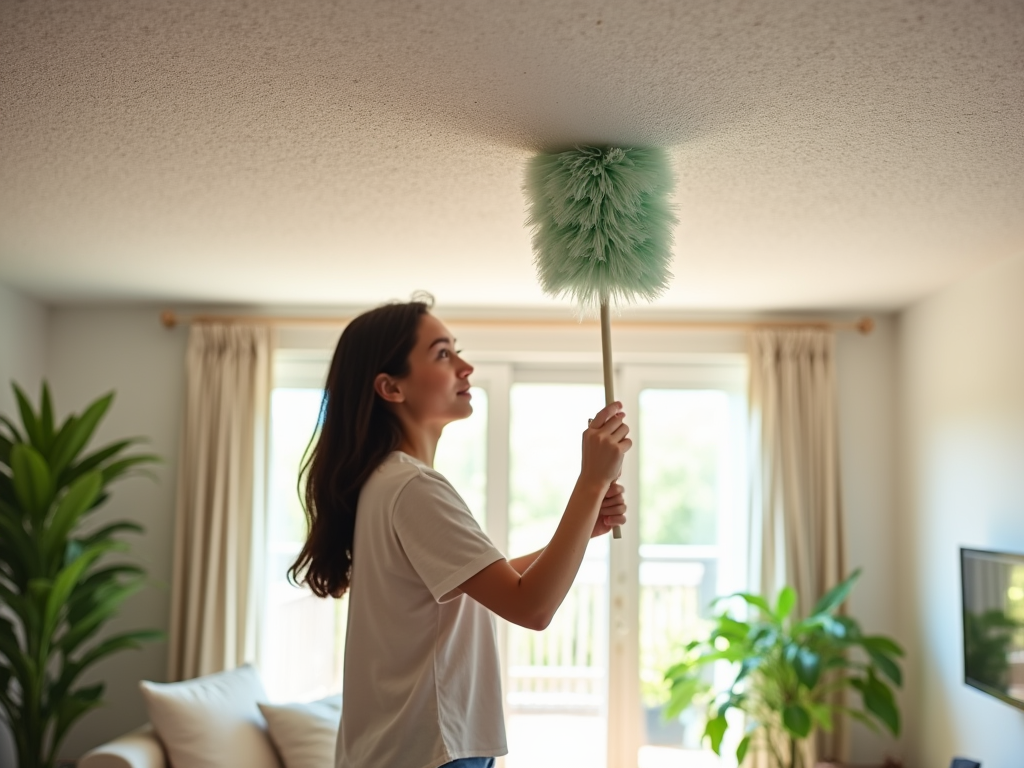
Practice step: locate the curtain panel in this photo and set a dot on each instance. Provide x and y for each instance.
(796, 522)
(218, 535)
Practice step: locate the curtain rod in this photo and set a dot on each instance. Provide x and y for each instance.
(864, 325)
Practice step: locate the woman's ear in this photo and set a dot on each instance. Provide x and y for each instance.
(388, 389)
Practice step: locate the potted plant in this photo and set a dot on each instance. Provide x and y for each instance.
(55, 586)
(787, 673)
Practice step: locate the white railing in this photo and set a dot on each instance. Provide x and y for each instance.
(563, 668)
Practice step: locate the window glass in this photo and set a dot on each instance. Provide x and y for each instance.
(462, 456)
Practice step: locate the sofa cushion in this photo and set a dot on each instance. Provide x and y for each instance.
(304, 734)
(212, 721)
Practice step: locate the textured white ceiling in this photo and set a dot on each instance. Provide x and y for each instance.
(828, 154)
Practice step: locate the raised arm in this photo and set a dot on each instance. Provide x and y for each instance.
(531, 598)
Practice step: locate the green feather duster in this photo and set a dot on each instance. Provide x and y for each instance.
(602, 223)
(602, 230)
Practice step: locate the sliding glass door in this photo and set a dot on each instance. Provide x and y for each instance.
(588, 690)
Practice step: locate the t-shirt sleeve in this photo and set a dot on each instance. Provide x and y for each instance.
(440, 536)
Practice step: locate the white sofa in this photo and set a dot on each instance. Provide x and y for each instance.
(221, 720)
(138, 749)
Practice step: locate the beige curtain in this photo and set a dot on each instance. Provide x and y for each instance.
(796, 515)
(218, 535)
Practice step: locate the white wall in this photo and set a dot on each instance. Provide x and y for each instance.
(90, 352)
(961, 406)
(22, 359)
(22, 346)
(866, 368)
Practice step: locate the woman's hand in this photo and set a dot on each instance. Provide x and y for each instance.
(613, 511)
(604, 444)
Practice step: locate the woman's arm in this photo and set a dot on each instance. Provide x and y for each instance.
(531, 598)
(613, 512)
(520, 564)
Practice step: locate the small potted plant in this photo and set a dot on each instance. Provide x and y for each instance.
(787, 674)
(56, 588)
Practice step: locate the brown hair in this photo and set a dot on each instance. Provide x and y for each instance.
(356, 433)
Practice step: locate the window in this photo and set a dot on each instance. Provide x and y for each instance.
(589, 689)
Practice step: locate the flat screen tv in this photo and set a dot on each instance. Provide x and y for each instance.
(993, 616)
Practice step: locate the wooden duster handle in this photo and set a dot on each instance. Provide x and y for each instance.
(609, 374)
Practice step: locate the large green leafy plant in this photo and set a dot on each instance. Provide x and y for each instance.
(787, 673)
(56, 592)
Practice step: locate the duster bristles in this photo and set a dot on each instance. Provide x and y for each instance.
(602, 223)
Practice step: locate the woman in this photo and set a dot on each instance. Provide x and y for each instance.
(422, 678)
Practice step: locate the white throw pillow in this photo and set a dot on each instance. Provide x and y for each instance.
(212, 721)
(304, 734)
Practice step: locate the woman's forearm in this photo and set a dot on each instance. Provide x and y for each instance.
(546, 581)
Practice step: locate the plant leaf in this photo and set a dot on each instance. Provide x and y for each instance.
(22, 554)
(730, 629)
(797, 720)
(882, 644)
(715, 731)
(822, 715)
(683, 692)
(79, 497)
(754, 600)
(807, 665)
(80, 431)
(15, 432)
(747, 666)
(741, 749)
(64, 584)
(29, 420)
(104, 533)
(33, 484)
(106, 603)
(678, 670)
(21, 664)
(125, 641)
(861, 718)
(71, 707)
(5, 450)
(784, 604)
(879, 701)
(114, 470)
(83, 597)
(93, 460)
(46, 418)
(886, 666)
(835, 596)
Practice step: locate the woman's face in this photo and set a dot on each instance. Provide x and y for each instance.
(436, 390)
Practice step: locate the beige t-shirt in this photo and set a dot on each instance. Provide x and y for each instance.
(422, 680)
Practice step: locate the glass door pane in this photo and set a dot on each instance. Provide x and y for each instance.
(303, 638)
(462, 456)
(685, 450)
(556, 705)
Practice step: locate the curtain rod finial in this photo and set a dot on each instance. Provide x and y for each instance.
(865, 325)
(168, 319)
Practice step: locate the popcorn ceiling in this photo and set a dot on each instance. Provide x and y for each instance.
(827, 154)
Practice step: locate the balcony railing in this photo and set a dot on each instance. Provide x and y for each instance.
(562, 669)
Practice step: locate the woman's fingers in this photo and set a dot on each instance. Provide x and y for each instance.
(612, 501)
(620, 431)
(606, 413)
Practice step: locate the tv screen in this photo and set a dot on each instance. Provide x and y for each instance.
(993, 600)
